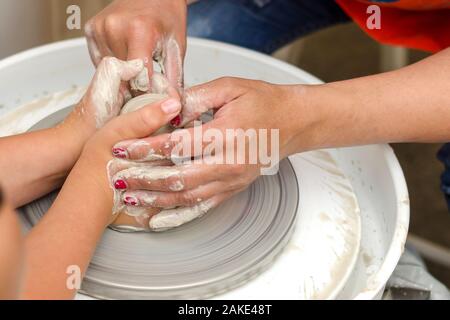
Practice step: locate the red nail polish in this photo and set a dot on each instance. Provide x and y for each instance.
(131, 201)
(176, 121)
(120, 185)
(120, 153)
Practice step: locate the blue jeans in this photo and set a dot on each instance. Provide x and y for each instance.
(261, 25)
(444, 156)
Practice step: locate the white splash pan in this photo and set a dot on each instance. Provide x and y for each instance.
(56, 75)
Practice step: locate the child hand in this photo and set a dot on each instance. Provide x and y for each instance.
(93, 162)
(103, 99)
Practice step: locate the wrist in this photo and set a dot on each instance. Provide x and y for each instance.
(333, 116)
(307, 119)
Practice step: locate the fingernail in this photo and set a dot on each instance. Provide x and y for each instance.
(176, 121)
(120, 185)
(171, 106)
(120, 153)
(131, 201)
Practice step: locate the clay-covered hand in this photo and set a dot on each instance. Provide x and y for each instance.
(102, 100)
(142, 29)
(96, 156)
(83, 208)
(272, 117)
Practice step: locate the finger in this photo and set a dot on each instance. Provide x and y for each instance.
(113, 33)
(94, 51)
(161, 85)
(116, 165)
(111, 72)
(172, 218)
(104, 92)
(124, 90)
(173, 63)
(144, 121)
(144, 177)
(188, 198)
(141, 45)
(141, 150)
(209, 96)
(113, 167)
(100, 39)
(177, 146)
(112, 46)
(174, 178)
(119, 50)
(135, 218)
(141, 212)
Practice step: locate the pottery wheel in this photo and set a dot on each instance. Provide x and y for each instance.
(216, 253)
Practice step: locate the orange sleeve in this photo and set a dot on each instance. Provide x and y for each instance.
(427, 30)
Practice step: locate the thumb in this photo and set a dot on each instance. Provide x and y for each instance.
(208, 96)
(143, 122)
(104, 92)
(173, 63)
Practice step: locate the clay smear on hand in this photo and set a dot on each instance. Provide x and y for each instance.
(104, 91)
(167, 55)
(173, 218)
(145, 171)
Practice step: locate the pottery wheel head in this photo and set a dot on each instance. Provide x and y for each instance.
(216, 253)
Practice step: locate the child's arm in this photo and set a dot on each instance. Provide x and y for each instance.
(68, 233)
(36, 163)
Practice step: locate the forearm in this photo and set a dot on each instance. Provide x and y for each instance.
(36, 163)
(408, 105)
(67, 235)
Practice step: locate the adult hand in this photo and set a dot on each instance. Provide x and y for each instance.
(102, 102)
(62, 145)
(142, 29)
(240, 105)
